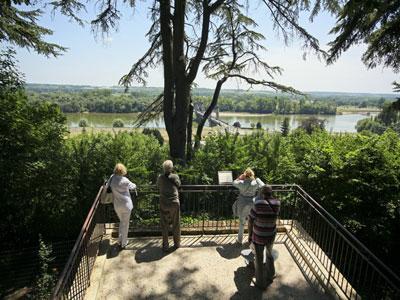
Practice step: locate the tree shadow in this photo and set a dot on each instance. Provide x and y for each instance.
(208, 244)
(150, 253)
(229, 251)
(180, 286)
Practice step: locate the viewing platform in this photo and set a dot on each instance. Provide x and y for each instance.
(316, 257)
(205, 267)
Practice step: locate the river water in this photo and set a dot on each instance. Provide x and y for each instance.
(334, 123)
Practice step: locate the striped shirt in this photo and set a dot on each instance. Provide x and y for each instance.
(264, 215)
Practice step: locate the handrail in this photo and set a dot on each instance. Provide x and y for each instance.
(82, 235)
(348, 240)
(352, 239)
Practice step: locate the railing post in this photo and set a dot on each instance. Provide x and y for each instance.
(331, 257)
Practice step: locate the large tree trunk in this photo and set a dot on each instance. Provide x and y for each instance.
(166, 36)
(177, 142)
(177, 79)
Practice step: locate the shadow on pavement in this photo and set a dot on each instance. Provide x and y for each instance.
(150, 253)
(242, 278)
(229, 251)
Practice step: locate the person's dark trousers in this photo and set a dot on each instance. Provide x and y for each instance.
(264, 272)
(170, 214)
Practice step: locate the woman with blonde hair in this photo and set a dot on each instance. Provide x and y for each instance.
(248, 186)
(120, 186)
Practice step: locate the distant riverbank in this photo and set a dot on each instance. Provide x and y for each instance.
(345, 122)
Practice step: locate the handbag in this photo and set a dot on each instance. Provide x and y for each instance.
(106, 193)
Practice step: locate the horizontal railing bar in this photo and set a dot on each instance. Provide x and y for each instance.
(317, 212)
(68, 266)
(352, 239)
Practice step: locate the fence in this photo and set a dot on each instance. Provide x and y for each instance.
(75, 277)
(340, 261)
(19, 268)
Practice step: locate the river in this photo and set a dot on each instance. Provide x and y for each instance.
(334, 123)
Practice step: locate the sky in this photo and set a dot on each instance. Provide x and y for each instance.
(101, 61)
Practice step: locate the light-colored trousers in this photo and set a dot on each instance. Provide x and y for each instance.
(124, 215)
(264, 272)
(244, 206)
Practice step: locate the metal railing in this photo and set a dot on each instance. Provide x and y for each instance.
(75, 277)
(19, 268)
(343, 265)
(347, 265)
(205, 209)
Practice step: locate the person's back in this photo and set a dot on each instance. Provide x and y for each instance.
(264, 215)
(248, 186)
(121, 186)
(168, 185)
(262, 232)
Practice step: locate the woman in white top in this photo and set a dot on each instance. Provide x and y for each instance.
(120, 186)
(248, 186)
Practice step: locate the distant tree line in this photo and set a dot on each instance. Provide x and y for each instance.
(271, 105)
(111, 101)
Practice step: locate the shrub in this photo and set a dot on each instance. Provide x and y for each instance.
(118, 123)
(154, 132)
(237, 124)
(83, 123)
(46, 279)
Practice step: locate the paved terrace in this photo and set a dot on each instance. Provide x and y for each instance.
(205, 267)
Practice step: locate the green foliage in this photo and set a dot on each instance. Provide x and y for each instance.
(79, 99)
(370, 125)
(10, 77)
(375, 23)
(46, 279)
(118, 123)
(388, 118)
(154, 132)
(285, 126)
(355, 177)
(311, 124)
(388, 115)
(258, 125)
(51, 181)
(83, 123)
(18, 26)
(32, 167)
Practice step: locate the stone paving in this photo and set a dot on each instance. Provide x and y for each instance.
(205, 267)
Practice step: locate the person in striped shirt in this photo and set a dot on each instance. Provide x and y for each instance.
(262, 232)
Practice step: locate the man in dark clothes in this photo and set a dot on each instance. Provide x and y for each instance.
(262, 232)
(169, 183)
